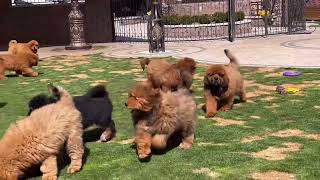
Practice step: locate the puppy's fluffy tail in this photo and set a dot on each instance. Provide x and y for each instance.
(13, 42)
(98, 91)
(144, 62)
(63, 95)
(233, 59)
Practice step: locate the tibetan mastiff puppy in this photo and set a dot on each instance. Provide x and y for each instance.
(40, 138)
(170, 77)
(157, 115)
(222, 83)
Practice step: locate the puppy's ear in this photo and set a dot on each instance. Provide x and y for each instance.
(225, 82)
(206, 80)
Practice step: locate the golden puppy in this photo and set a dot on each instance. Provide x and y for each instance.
(162, 74)
(39, 138)
(157, 115)
(170, 77)
(20, 63)
(221, 84)
(30, 47)
(187, 67)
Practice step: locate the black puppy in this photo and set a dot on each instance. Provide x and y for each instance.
(95, 107)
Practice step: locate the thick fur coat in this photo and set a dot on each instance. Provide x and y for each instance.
(20, 63)
(222, 83)
(21, 58)
(170, 77)
(95, 107)
(157, 115)
(29, 47)
(39, 138)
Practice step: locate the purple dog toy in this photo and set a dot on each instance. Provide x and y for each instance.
(292, 73)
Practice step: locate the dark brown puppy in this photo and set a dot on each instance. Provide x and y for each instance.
(168, 76)
(157, 115)
(20, 63)
(30, 47)
(221, 84)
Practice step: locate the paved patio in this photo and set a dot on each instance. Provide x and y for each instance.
(301, 50)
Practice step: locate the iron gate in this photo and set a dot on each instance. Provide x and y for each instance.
(209, 19)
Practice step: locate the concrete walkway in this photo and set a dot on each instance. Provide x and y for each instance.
(274, 51)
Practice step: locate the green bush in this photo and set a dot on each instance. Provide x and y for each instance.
(240, 16)
(218, 17)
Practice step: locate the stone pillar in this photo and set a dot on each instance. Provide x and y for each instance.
(76, 25)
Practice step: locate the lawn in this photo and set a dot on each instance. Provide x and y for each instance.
(270, 135)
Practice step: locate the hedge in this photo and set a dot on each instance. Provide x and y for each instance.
(218, 17)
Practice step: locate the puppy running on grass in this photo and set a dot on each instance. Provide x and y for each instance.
(40, 137)
(222, 83)
(157, 115)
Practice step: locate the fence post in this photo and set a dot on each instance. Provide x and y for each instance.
(232, 22)
(289, 4)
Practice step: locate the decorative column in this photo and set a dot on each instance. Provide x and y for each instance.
(156, 28)
(76, 24)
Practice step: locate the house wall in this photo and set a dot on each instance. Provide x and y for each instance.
(48, 24)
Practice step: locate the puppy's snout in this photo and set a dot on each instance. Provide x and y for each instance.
(216, 77)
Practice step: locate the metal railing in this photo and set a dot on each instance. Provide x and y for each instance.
(40, 2)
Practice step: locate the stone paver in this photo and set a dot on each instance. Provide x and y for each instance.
(301, 50)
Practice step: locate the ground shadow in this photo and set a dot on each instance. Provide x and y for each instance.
(63, 161)
(173, 142)
(92, 135)
(3, 104)
(12, 75)
(236, 101)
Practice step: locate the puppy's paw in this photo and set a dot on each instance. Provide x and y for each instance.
(106, 136)
(144, 155)
(34, 74)
(185, 145)
(225, 108)
(47, 177)
(73, 169)
(211, 114)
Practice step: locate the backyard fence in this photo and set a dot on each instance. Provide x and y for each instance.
(209, 19)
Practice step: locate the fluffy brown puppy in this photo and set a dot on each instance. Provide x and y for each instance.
(162, 74)
(187, 67)
(30, 47)
(20, 63)
(157, 115)
(221, 84)
(39, 138)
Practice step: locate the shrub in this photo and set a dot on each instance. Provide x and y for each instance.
(218, 17)
(240, 16)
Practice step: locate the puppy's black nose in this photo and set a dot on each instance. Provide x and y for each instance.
(126, 104)
(215, 77)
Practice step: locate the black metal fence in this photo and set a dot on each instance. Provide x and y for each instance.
(39, 2)
(209, 19)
